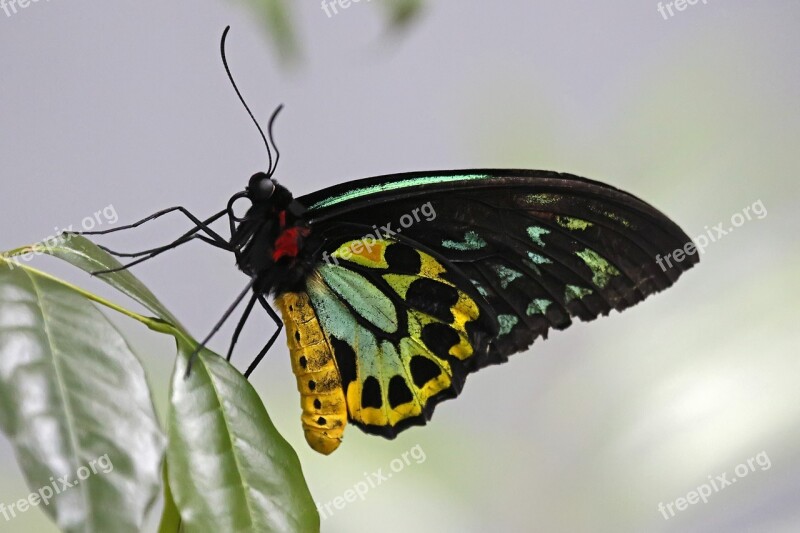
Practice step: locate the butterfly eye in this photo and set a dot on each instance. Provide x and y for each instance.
(261, 187)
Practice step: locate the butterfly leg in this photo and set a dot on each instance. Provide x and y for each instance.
(200, 224)
(240, 325)
(160, 249)
(278, 322)
(215, 240)
(203, 225)
(218, 325)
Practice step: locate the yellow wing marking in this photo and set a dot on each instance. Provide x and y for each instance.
(366, 252)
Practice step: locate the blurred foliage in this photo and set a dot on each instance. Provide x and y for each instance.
(277, 18)
(402, 12)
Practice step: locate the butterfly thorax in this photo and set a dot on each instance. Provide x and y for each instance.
(274, 244)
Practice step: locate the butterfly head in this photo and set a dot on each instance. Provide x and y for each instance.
(268, 196)
(260, 188)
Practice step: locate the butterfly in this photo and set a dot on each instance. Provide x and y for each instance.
(393, 289)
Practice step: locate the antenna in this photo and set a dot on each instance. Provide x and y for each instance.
(272, 139)
(241, 99)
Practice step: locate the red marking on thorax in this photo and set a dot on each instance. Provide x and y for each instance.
(288, 242)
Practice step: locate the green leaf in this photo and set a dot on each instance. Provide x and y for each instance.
(229, 466)
(75, 402)
(170, 517)
(255, 480)
(84, 254)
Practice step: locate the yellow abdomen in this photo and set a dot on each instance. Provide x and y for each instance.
(318, 379)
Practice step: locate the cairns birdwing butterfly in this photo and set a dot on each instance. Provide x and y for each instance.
(394, 288)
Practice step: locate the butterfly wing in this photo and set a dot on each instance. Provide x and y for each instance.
(380, 336)
(540, 247)
(424, 278)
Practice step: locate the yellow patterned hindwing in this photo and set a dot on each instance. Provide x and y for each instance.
(403, 335)
(380, 337)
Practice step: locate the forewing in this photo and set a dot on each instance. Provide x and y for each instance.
(540, 247)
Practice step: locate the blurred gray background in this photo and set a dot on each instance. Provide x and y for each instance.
(127, 104)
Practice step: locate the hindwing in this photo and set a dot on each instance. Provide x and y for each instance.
(402, 331)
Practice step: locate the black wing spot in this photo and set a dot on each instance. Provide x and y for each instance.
(399, 393)
(345, 360)
(423, 370)
(451, 277)
(371, 393)
(403, 259)
(433, 298)
(480, 335)
(439, 338)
